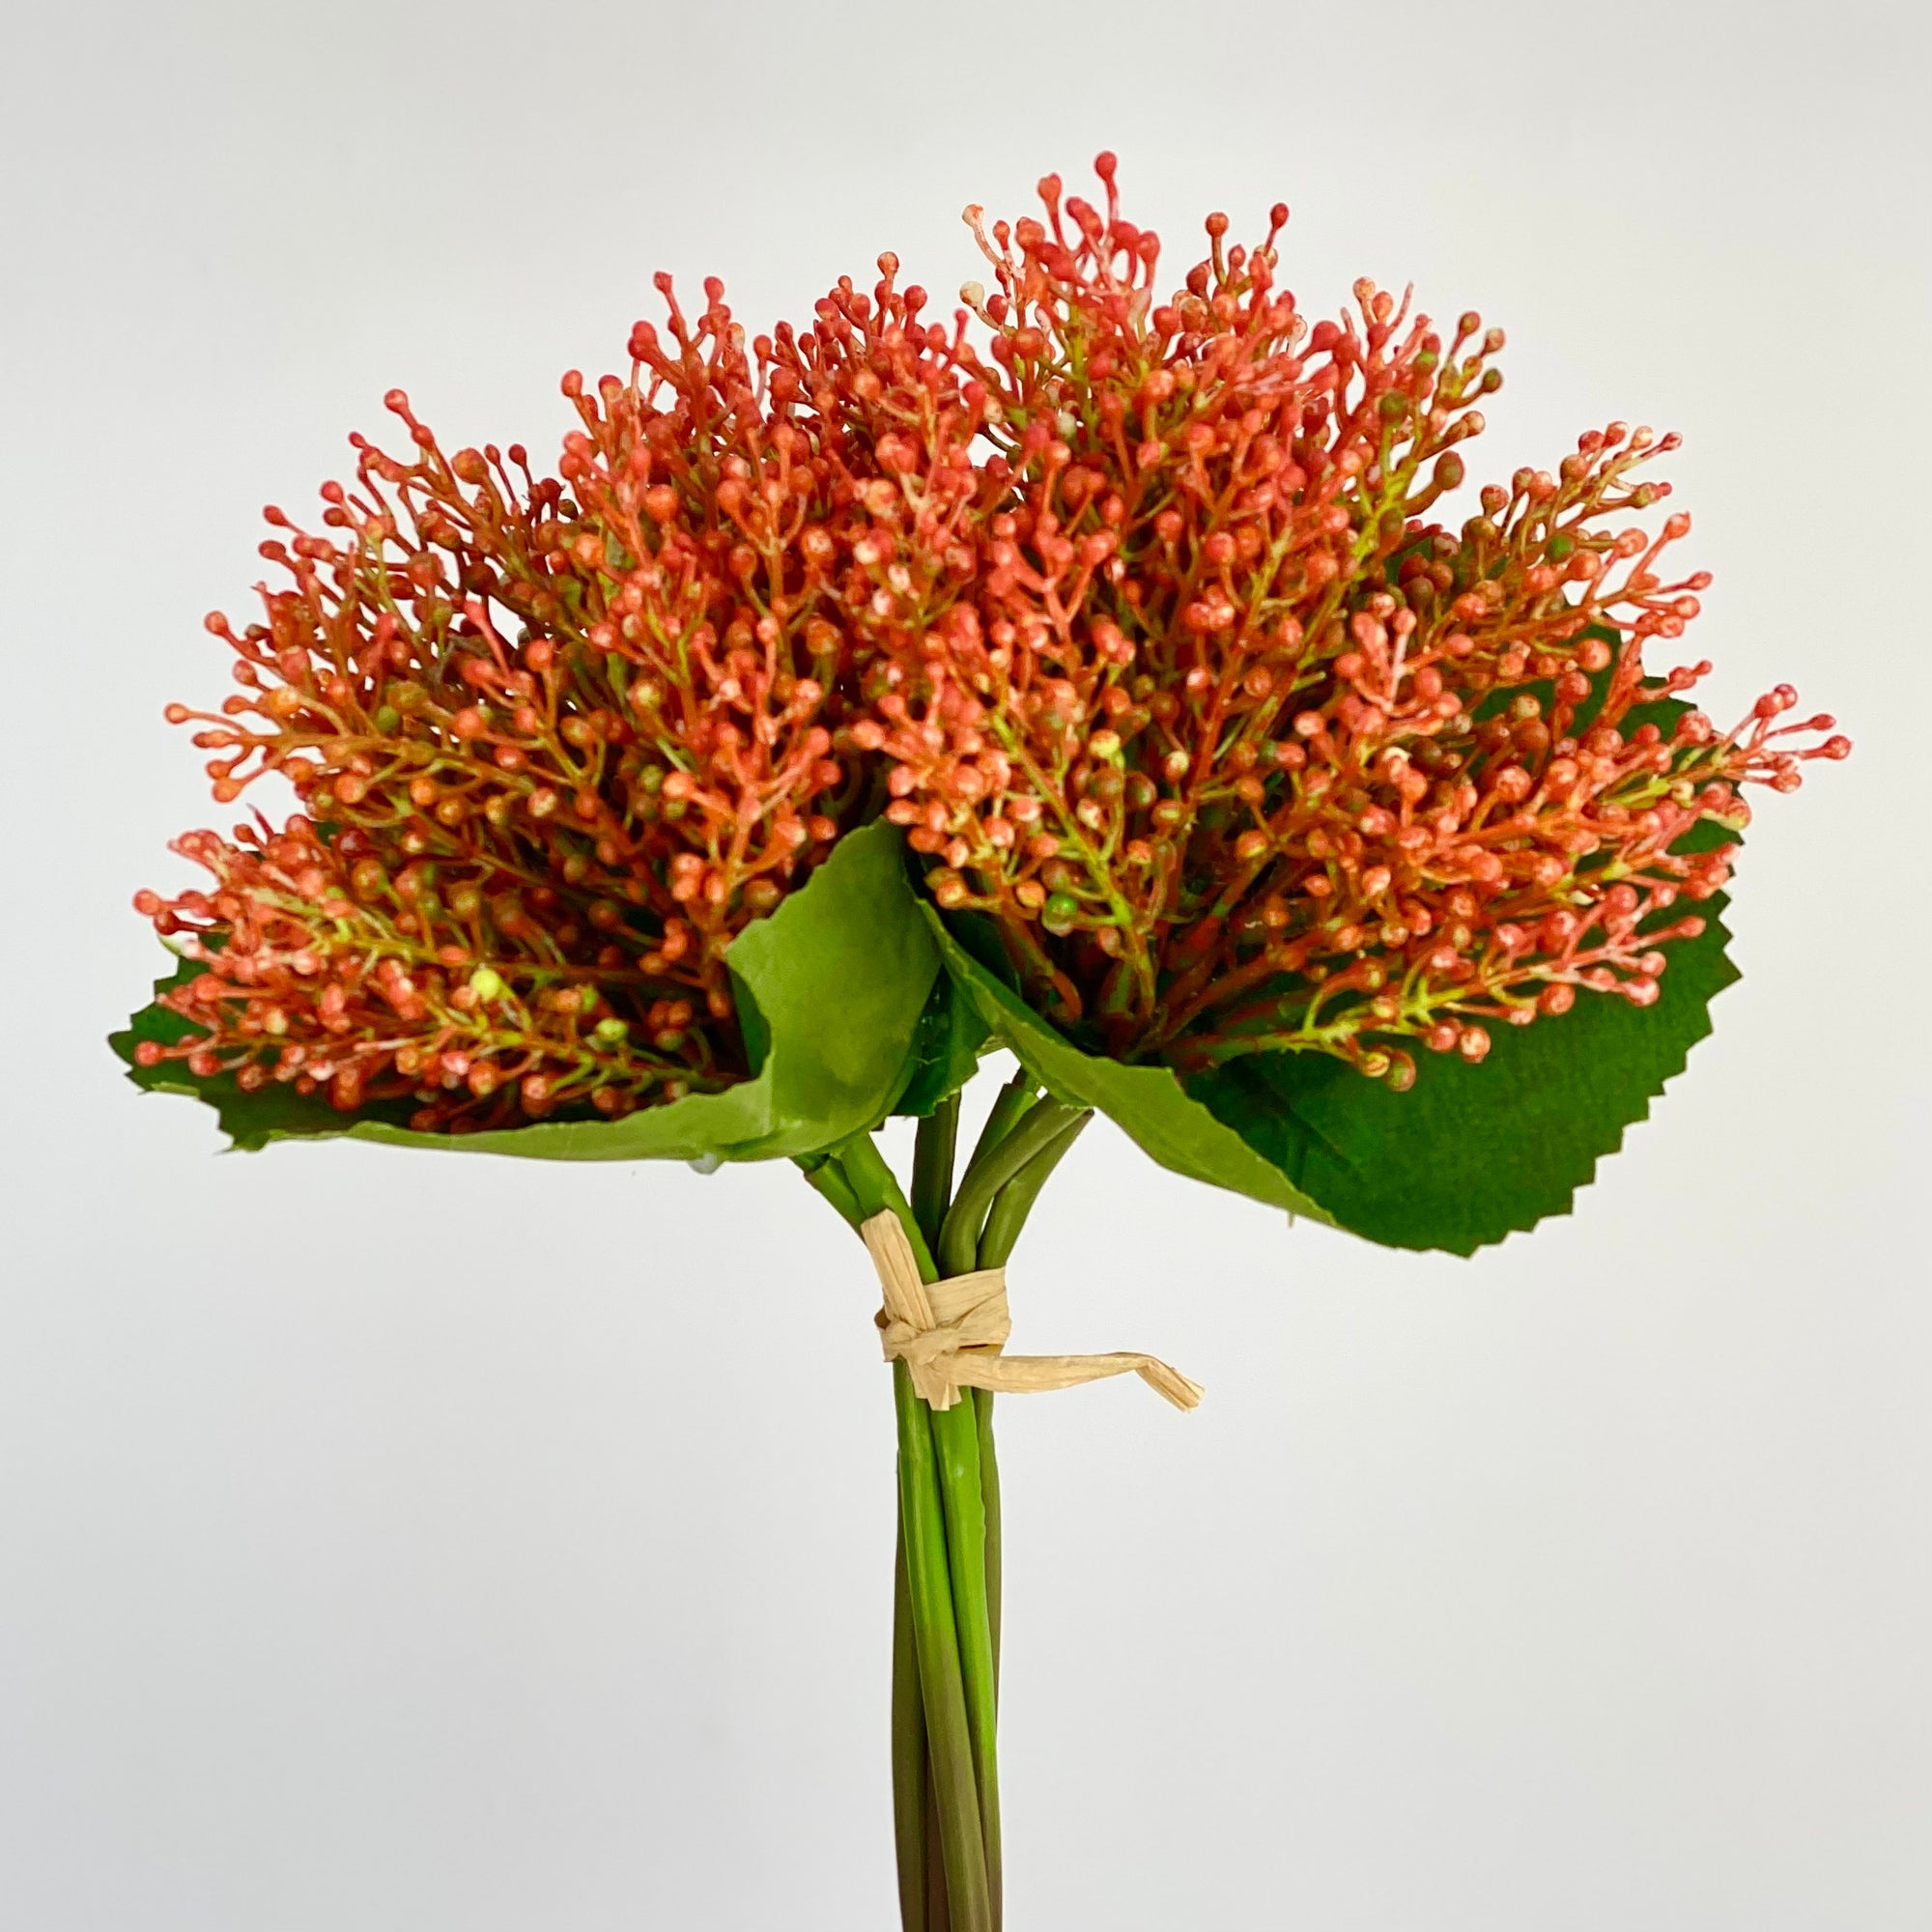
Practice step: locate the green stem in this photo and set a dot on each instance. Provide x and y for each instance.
(947, 1591)
(1007, 1217)
(873, 1187)
(921, 1866)
(912, 1797)
(989, 1496)
(956, 1436)
(828, 1177)
(938, 1913)
(989, 1172)
(1014, 1201)
(942, 1681)
(961, 1447)
(1011, 1205)
(945, 1586)
(932, 1166)
(1009, 1106)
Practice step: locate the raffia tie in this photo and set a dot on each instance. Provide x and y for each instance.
(950, 1333)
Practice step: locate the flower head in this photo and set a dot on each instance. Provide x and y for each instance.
(556, 741)
(470, 1004)
(1238, 748)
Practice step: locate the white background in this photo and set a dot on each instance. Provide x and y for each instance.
(393, 1543)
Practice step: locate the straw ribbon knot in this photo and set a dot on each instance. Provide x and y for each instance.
(950, 1334)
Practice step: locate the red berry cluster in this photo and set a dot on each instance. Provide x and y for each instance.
(437, 991)
(1237, 749)
(556, 739)
(1136, 620)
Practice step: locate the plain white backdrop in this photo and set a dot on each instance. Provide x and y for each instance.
(394, 1542)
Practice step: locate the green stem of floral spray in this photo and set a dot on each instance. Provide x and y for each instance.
(947, 1569)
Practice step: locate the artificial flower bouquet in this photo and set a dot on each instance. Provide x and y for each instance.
(1094, 676)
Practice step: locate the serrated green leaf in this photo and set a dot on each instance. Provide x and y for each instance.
(1472, 1153)
(834, 979)
(1466, 1157)
(1147, 1103)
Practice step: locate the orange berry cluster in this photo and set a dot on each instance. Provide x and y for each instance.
(556, 741)
(1237, 749)
(437, 992)
(1136, 619)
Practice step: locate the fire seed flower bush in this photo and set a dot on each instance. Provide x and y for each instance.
(569, 737)
(1239, 752)
(1227, 756)
(1100, 675)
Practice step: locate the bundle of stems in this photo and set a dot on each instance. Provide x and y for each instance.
(946, 1617)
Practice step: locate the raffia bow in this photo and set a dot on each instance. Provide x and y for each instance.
(950, 1333)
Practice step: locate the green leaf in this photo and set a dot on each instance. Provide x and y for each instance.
(946, 1050)
(1466, 1157)
(1472, 1153)
(1147, 1103)
(834, 985)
